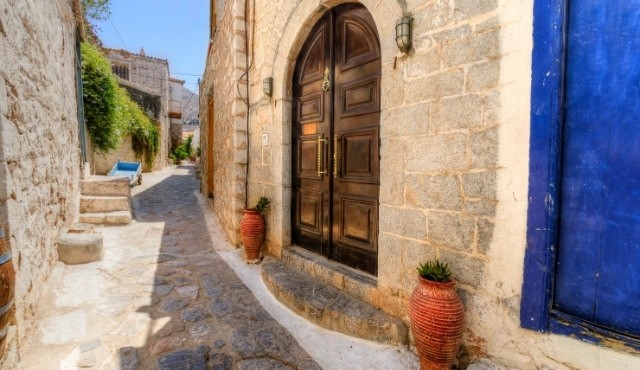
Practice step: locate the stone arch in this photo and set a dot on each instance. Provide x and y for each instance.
(298, 25)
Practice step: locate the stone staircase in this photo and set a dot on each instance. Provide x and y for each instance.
(306, 284)
(105, 200)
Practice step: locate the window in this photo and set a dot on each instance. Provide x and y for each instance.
(121, 70)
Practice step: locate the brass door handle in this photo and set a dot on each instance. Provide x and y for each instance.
(320, 168)
(336, 156)
(326, 84)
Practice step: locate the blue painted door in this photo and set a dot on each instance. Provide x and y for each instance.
(598, 260)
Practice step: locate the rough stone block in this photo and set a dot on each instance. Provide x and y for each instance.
(423, 63)
(98, 204)
(117, 218)
(433, 192)
(483, 76)
(406, 121)
(106, 186)
(484, 149)
(435, 14)
(464, 268)
(480, 207)
(391, 164)
(485, 235)
(409, 223)
(77, 248)
(446, 152)
(472, 49)
(480, 184)
(389, 254)
(455, 34)
(413, 254)
(452, 230)
(458, 113)
(436, 86)
(468, 8)
(492, 110)
(328, 307)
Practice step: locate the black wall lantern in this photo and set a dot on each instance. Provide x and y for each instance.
(267, 86)
(403, 33)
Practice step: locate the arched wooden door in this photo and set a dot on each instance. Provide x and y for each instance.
(336, 124)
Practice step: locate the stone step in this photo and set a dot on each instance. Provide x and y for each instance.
(99, 204)
(106, 186)
(351, 281)
(108, 218)
(78, 245)
(329, 307)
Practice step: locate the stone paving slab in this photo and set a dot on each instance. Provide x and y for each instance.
(328, 307)
(171, 292)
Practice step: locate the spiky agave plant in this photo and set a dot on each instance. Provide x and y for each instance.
(435, 271)
(262, 205)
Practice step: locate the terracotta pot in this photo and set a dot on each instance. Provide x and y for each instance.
(252, 229)
(437, 322)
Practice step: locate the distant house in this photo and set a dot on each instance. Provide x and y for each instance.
(175, 110)
(147, 79)
(184, 120)
(503, 141)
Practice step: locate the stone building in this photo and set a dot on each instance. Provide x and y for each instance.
(379, 159)
(175, 114)
(40, 148)
(148, 75)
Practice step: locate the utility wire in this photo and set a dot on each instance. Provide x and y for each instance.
(118, 33)
(185, 74)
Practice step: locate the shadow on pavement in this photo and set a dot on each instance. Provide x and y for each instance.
(203, 316)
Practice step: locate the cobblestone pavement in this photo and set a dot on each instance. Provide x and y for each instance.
(165, 296)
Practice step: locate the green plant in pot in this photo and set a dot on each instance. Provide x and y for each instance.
(253, 228)
(437, 316)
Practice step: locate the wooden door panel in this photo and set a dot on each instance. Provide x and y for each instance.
(310, 211)
(356, 125)
(358, 42)
(597, 276)
(311, 66)
(307, 152)
(359, 154)
(311, 108)
(358, 214)
(337, 215)
(311, 120)
(360, 97)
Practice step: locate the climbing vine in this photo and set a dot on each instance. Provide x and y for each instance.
(110, 112)
(105, 120)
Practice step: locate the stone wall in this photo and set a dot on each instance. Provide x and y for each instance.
(151, 74)
(223, 80)
(39, 146)
(454, 156)
(151, 104)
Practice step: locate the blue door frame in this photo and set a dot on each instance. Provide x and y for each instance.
(544, 182)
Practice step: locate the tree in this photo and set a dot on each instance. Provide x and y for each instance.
(97, 10)
(94, 10)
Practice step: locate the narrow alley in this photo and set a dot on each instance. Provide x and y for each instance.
(172, 293)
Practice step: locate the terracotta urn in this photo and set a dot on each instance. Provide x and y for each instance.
(252, 230)
(437, 321)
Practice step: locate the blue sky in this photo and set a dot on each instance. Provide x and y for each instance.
(177, 30)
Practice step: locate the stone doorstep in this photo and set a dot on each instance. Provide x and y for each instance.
(351, 281)
(106, 186)
(96, 204)
(109, 218)
(329, 307)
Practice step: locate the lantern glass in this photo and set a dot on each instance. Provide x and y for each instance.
(403, 33)
(267, 86)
